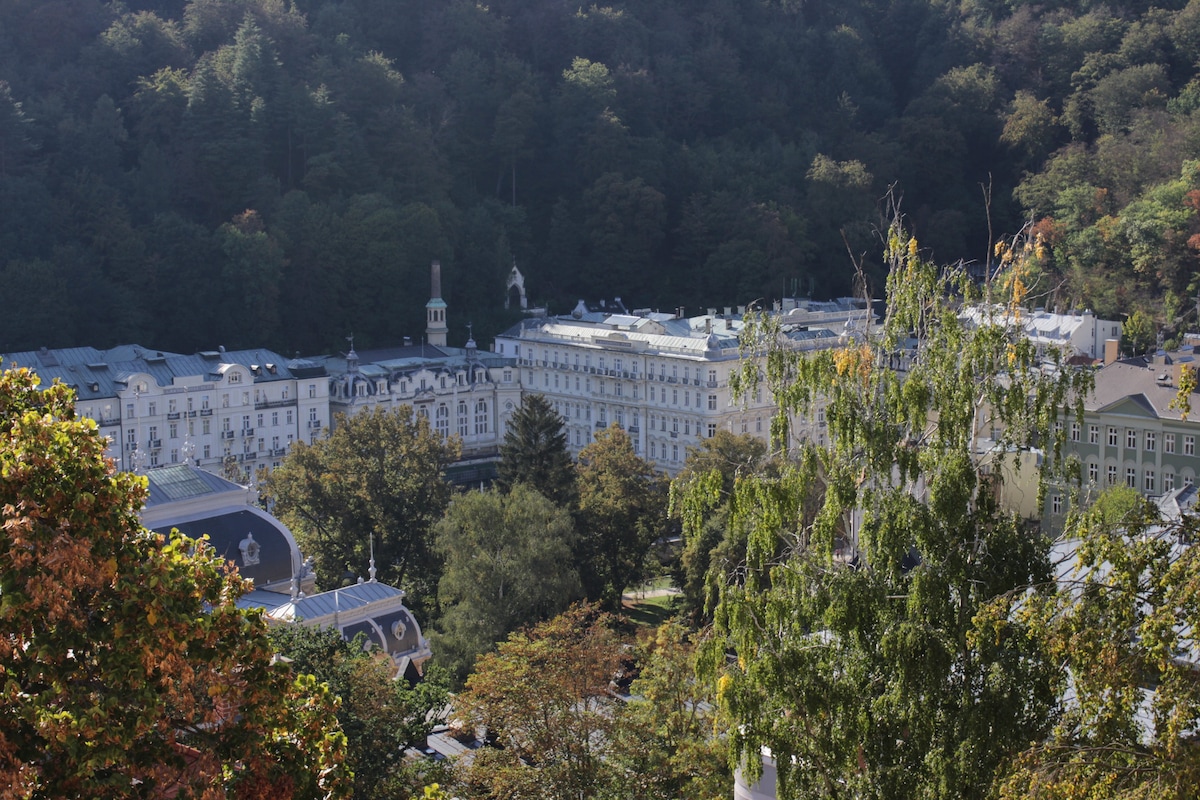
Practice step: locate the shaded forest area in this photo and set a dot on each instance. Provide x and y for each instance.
(271, 173)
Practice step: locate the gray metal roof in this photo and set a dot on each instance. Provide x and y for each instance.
(338, 600)
(178, 482)
(95, 374)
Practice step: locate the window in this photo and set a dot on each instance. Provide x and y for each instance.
(1168, 443)
(1093, 434)
(289, 418)
(1189, 445)
(204, 403)
(259, 420)
(129, 411)
(173, 430)
(1112, 474)
(442, 421)
(464, 419)
(312, 390)
(1168, 481)
(1130, 438)
(1056, 504)
(675, 397)
(208, 451)
(274, 418)
(674, 452)
(1112, 437)
(1131, 477)
(1151, 441)
(245, 422)
(758, 424)
(712, 376)
(1093, 472)
(653, 449)
(172, 406)
(712, 402)
(712, 429)
(687, 398)
(235, 377)
(481, 417)
(1074, 431)
(206, 426)
(1148, 484)
(1187, 480)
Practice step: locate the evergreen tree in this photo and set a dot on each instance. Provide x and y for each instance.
(535, 452)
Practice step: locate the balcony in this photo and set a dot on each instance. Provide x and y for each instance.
(674, 434)
(248, 456)
(314, 424)
(712, 384)
(156, 444)
(173, 415)
(206, 412)
(279, 451)
(247, 432)
(261, 404)
(227, 434)
(601, 425)
(634, 429)
(191, 415)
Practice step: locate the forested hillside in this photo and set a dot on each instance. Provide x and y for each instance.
(261, 172)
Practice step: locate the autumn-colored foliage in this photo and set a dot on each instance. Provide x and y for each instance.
(126, 668)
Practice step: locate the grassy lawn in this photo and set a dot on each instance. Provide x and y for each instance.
(650, 612)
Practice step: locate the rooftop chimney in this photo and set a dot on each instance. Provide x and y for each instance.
(1111, 351)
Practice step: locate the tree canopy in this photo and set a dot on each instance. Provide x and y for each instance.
(380, 714)
(700, 154)
(126, 666)
(621, 513)
(377, 476)
(868, 560)
(508, 564)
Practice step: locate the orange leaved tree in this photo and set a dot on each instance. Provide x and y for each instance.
(126, 668)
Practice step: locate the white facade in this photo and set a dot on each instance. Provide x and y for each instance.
(460, 391)
(1078, 333)
(662, 378)
(223, 411)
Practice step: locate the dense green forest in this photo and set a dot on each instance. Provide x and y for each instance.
(187, 173)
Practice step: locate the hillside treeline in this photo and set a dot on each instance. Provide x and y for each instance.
(262, 172)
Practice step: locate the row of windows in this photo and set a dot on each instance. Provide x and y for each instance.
(441, 422)
(173, 407)
(1149, 439)
(1149, 478)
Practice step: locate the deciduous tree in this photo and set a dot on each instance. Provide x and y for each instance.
(622, 506)
(543, 696)
(126, 667)
(379, 714)
(507, 565)
(378, 474)
(853, 617)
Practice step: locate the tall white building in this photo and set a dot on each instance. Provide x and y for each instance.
(663, 378)
(224, 411)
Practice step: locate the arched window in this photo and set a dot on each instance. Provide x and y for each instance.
(481, 417)
(464, 419)
(442, 422)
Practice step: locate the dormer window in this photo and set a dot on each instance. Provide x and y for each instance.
(235, 377)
